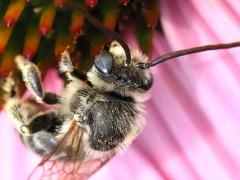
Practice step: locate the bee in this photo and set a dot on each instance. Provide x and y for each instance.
(98, 115)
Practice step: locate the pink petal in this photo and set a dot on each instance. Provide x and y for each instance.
(193, 127)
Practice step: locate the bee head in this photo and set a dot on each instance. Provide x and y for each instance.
(110, 72)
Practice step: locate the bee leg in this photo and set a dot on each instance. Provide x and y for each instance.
(29, 118)
(12, 104)
(48, 121)
(20, 113)
(66, 67)
(36, 127)
(43, 130)
(9, 88)
(31, 77)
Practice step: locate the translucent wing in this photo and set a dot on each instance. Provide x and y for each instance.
(70, 159)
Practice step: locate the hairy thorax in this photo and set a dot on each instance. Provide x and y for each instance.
(109, 118)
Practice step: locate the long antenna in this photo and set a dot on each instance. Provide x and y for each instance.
(95, 22)
(184, 52)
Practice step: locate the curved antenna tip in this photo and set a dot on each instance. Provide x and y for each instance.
(193, 50)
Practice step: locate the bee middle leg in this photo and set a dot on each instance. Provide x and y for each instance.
(32, 80)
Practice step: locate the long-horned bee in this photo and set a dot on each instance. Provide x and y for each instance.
(98, 116)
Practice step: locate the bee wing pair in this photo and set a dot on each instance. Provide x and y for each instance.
(74, 163)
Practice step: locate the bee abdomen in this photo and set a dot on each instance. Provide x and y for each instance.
(102, 142)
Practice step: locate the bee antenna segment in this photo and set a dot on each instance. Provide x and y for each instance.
(184, 52)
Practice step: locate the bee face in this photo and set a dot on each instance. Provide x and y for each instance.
(110, 71)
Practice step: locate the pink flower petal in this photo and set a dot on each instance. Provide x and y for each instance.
(193, 127)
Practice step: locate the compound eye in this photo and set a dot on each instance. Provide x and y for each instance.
(104, 63)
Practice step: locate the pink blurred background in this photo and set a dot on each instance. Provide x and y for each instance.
(193, 119)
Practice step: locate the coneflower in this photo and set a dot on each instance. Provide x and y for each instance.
(192, 122)
(41, 30)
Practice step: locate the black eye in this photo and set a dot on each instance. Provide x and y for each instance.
(104, 63)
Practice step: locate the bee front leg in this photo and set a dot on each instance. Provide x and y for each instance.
(32, 80)
(66, 67)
